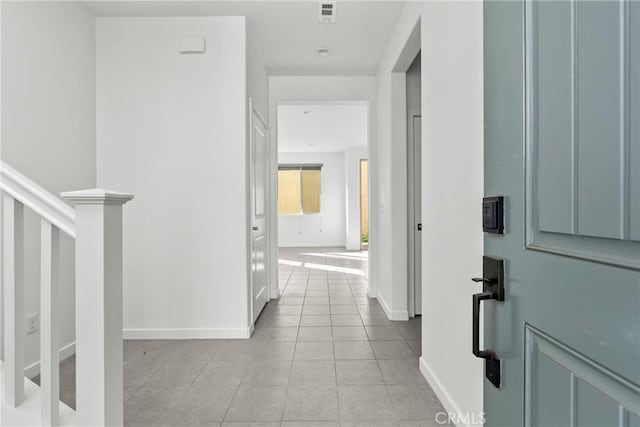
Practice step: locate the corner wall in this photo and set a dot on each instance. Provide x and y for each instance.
(49, 129)
(172, 130)
(452, 158)
(452, 187)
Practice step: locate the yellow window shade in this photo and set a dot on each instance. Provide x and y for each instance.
(289, 192)
(310, 191)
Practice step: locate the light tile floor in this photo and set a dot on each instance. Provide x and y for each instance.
(324, 355)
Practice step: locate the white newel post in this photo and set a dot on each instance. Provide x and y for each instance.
(99, 366)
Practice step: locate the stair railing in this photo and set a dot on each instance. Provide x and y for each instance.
(95, 222)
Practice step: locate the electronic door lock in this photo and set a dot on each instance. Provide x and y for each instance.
(493, 215)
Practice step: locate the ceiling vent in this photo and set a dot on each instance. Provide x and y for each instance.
(327, 11)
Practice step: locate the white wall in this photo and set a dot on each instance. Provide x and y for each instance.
(49, 126)
(257, 78)
(452, 153)
(452, 186)
(284, 89)
(172, 131)
(328, 227)
(353, 230)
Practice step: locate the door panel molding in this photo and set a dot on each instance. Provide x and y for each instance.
(259, 172)
(581, 195)
(589, 386)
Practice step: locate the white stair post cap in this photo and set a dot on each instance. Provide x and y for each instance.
(96, 196)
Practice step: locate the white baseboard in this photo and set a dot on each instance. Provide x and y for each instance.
(440, 391)
(65, 352)
(312, 244)
(186, 334)
(392, 314)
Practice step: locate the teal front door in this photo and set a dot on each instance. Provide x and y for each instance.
(562, 145)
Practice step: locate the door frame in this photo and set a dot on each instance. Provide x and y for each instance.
(411, 219)
(396, 302)
(272, 224)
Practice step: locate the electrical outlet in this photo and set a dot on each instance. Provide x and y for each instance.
(32, 323)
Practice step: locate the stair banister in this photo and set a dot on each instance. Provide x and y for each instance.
(96, 226)
(39, 200)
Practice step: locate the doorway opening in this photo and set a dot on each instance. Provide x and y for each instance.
(399, 295)
(364, 204)
(320, 146)
(322, 195)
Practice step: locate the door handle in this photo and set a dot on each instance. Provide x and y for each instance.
(483, 280)
(475, 345)
(255, 228)
(492, 289)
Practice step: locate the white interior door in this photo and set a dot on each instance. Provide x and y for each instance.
(414, 163)
(259, 159)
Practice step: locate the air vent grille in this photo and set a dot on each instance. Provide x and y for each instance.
(327, 11)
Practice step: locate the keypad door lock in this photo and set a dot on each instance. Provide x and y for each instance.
(493, 215)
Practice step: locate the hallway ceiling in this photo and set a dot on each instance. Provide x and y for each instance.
(312, 128)
(286, 34)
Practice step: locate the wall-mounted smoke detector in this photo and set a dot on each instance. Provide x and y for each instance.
(327, 11)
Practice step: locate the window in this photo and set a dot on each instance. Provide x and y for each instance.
(298, 189)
